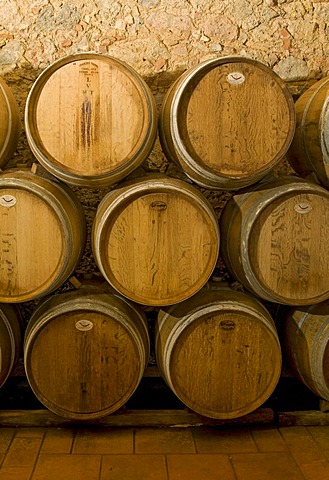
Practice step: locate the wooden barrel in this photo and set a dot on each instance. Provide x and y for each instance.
(85, 352)
(90, 119)
(306, 346)
(42, 235)
(10, 123)
(309, 150)
(219, 352)
(10, 340)
(156, 240)
(227, 122)
(275, 240)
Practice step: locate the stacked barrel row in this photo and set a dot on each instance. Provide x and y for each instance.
(91, 121)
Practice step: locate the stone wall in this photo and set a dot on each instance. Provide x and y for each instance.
(157, 36)
(159, 39)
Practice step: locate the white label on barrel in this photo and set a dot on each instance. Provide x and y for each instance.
(235, 78)
(7, 201)
(303, 207)
(84, 325)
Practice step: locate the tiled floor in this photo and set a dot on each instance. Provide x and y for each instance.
(196, 453)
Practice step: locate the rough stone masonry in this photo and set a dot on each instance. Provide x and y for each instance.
(168, 35)
(161, 38)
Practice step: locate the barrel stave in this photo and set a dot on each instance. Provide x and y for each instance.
(99, 344)
(219, 352)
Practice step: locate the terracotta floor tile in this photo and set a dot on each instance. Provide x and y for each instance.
(57, 440)
(326, 454)
(313, 463)
(164, 440)
(6, 436)
(22, 452)
(34, 432)
(298, 438)
(104, 441)
(134, 467)
(67, 467)
(268, 439)
(200, 467)
(216, 440)
(256, 453)
(16, 473)
(269, 466)
(316, 471)
(320, 435)
(311, 455)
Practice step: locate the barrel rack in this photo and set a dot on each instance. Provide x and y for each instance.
(290, 404)
(153, 403)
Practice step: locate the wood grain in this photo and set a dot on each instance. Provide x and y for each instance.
(90, 119)
(219, 352)
(309, 150)
(10, 123)
(156, 240)
(11, 336)
(85, 353)
(227, 122)
(131, 418)
(42, 235)
(274, 241)
(306, 346)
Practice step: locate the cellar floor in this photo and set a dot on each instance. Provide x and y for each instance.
(191, 453)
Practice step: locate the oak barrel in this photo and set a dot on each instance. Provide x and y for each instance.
(10, 123)
(309, 150)
(42, 235)
(227, 122)
(90, 119)
(155, 239)
(10, 339)
(306, 346)
(275, 240)
(219, 352)
(85, 352)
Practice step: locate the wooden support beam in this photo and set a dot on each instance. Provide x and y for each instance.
(130, 418)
